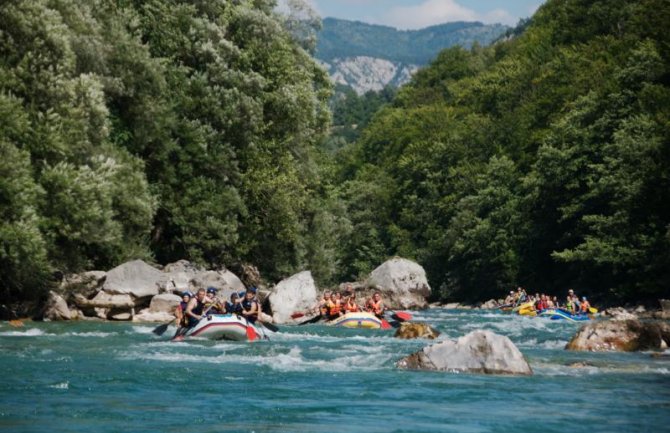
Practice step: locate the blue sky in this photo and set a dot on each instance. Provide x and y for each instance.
(414, 14)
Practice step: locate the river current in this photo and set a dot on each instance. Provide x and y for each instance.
(119, 377)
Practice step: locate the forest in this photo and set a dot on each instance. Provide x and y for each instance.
(201, 130)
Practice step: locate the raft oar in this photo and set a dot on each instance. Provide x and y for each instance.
(160, 329)
(401, 316)
(312, 320)
(270, 326)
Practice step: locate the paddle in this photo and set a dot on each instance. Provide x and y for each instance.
(251, 331)
(270, 326)
(160, 329)
(312, 320)
(401, 316)
(297, 315)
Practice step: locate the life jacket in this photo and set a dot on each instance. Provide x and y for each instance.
(233, 308)
(374, 307)
(197, 310)
(585, 307)
(334, 308)
(246, 306)
(182, 308)
(351, 307)
(323, 308)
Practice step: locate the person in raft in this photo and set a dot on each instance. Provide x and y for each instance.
(234, 306)
(335, 306)
(350, 305)
(586, 306)
(375, 305)
(212, 303)
(250, 308)
(324, 304)
(180, 311)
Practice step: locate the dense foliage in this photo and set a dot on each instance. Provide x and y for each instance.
(543, 160)
(343, 38)
(159, 129)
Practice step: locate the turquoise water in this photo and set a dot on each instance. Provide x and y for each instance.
(118, 377)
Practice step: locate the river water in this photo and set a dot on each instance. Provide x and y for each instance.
(119, 377)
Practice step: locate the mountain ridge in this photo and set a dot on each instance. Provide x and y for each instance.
(371, 56)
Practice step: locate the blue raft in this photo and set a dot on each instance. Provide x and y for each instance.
(560, 314)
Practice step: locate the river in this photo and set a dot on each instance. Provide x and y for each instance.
(119, 377)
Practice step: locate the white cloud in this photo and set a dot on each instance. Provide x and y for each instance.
(432, 12)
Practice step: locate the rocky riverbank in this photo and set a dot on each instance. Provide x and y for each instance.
(139, 292)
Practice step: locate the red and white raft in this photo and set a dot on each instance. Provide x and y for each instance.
(225, 327)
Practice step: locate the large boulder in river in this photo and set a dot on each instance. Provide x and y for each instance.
(619, 313)
(402, 282)
(165, 302)
(621, 335)
(184, 275)
(477, 352)
(409, 330)
(56, 308)
(294, 294)
(135, 278)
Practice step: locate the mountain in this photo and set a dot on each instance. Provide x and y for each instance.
(369, 57)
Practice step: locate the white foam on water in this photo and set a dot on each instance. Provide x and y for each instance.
(293, 360)
(548, 344)
(144, 329)
(32, 332)
(62, 385)
(89, 334)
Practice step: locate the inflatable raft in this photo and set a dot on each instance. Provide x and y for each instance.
(224, 327)
(357, 320)
(560, 314)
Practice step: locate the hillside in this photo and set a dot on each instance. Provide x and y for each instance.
(369, 57)
(542, 161)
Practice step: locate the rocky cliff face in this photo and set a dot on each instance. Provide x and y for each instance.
(370, 57)
(363, 73)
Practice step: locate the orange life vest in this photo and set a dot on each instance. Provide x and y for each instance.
(334, 308)
(374, 307)
(351, 307)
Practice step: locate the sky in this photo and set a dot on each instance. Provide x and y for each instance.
(416, 14)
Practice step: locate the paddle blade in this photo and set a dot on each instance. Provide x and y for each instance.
(593, 310)
(402, 316)
(385, 324)
(160, 329)
(270, 326)
(297, 315)
(312, 320)
(251, 332)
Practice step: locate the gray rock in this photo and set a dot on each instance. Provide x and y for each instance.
(56, 308)
(165, 302)
(489, 305)
(135, 278)
(621, 335)
(477, 352)
(294, 294)
(86, 284)
(619, 313)
(402, 282)
(106, 300)
(665, 305)
(147, 315)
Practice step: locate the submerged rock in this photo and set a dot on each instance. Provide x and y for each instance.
(403, 283)
(477, 352)
(620, 335)
(409, 330)
(297, 293)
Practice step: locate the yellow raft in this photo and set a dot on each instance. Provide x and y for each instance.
(526, 309)
(358, 320)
